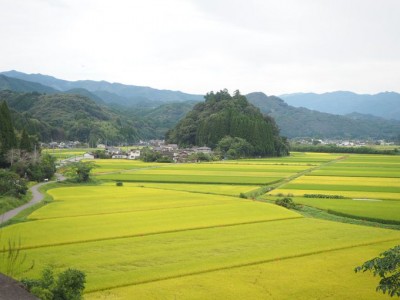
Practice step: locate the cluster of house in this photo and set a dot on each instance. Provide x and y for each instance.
(115, 152)
(61, 145)
(342, 143)
(171, 151)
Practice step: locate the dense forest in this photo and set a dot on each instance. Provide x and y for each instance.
(68, 117)
(224, 115)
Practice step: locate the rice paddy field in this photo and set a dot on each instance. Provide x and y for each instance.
(67, 153)
(182, 231)
(244, 172)
(369, 184)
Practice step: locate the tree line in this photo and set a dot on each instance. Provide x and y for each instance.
(20, 159)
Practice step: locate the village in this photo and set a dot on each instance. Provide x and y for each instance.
(168, 152)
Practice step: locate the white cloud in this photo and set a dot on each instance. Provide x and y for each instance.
(201, 45)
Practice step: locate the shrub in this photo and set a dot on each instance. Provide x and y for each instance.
(242, 195)
(286, 202)
(119, 183)
(11, 184)
(69, 285)
(322, 196)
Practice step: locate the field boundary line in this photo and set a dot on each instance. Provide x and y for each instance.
(127, 212)
(156, 233)
(254, 263)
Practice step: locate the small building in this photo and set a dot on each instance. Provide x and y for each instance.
(170, 147)
(205, 150)
(134, 154)
(121, 156)
(113, 150)
(101, 146)
(88, 155)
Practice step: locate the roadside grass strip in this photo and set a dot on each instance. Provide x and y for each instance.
(82, 229)
(219, 189)
(327, 275)
(122, 262)
(107, 199)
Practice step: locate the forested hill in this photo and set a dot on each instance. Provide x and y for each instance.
(302, 122)
(224, 115)
(18, 85)
(69, 117)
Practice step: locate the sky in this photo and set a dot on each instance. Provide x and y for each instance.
(196, 46)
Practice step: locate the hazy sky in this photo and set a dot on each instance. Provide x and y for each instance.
(196, 46)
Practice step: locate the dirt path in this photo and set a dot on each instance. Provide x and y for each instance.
(36, 198)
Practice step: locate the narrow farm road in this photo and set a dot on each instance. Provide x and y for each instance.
(297, 175)
(37, 196)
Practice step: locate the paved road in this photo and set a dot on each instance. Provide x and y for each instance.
(36, 198)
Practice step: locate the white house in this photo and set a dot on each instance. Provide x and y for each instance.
(101, 146)
(119, 156)
(88, 156)
(206, 150)
(134, 154)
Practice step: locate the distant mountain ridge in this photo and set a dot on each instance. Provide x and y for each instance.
(385, 105)
(22, 86)
(303, 122)
(151, 118)
(121, 94)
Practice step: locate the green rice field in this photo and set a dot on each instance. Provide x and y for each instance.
(212, 173)
(370, 184)
(181, 231)
(67, 153)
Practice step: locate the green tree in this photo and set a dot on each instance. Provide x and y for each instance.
(148, 155)
(234, 148)
(80, 171)
(69, 285)
(44, 167)
(387, 267)
(11, 184)
(25, 142)
(8, 139)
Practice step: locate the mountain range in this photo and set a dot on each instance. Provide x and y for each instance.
(385, 105)
(302, 122)
(115, 93)
(149, 113)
